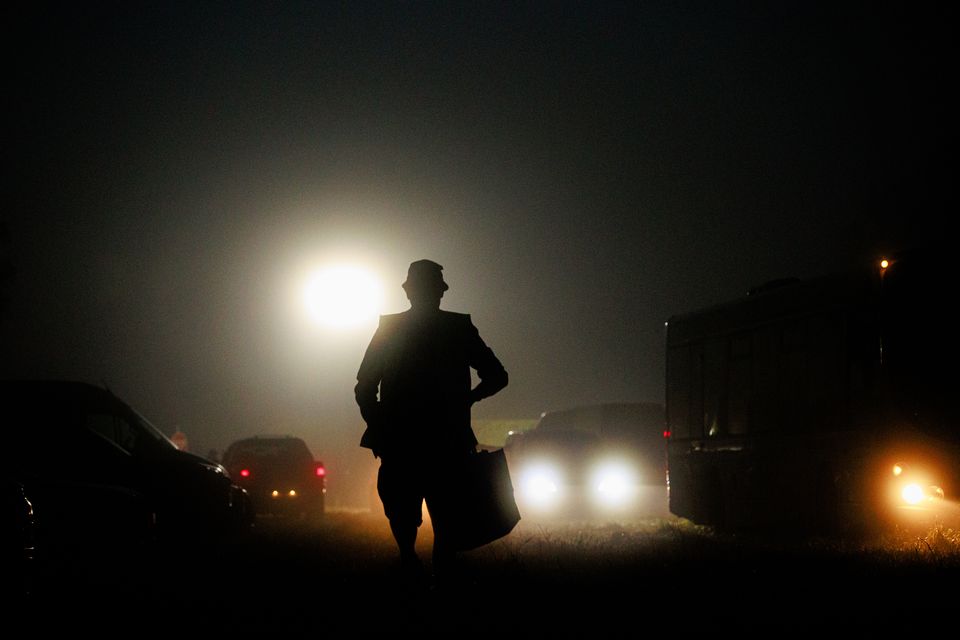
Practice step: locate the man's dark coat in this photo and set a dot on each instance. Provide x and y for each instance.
(420, 362)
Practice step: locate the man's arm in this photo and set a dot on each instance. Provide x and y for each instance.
(366, 395)
(368, 385)
(493, 377)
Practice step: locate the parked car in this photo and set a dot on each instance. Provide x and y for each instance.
(280, 473)
(576, 473)
(97, 472)
(18, 539)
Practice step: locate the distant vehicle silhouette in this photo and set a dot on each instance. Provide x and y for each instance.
(280, 474)
(98, 473)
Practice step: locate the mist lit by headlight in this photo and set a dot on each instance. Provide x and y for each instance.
(614, 484)
(540, 486)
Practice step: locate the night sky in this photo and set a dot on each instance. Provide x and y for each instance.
(583, 171)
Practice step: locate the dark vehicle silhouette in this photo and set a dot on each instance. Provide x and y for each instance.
(591, 462)
(822, 405)
(18, 540)
(98, 473)
(280, 474)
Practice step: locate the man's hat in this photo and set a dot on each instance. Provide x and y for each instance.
(425, 274)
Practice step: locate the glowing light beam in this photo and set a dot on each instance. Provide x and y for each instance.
(343, 296)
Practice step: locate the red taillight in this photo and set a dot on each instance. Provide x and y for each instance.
(244, 473)
(321, 472)
(666, 434)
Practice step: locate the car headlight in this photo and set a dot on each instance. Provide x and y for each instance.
(540, 485)
(912, 493)
(614, 483)
(913, 486)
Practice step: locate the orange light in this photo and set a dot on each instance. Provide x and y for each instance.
(884, 263)
(912, 494)
(897, 469)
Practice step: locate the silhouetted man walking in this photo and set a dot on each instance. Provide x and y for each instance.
(419, 427)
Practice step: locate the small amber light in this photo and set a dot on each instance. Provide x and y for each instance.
(275, 493)
(897, 469)
(884, 263)
(293, 493)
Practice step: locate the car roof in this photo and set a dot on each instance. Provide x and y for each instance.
(278, 441)
(27, 390)
(56, 397)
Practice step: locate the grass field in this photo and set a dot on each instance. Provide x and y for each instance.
(570, 578)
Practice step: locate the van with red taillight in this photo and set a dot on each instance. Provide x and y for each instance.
(280, 474)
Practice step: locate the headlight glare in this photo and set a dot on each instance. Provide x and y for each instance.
(614, 484)
(912, 493)
(540, 485)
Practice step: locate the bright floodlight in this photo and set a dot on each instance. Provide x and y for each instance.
(343, 296)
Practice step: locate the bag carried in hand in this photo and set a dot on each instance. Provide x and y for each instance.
(485, 507)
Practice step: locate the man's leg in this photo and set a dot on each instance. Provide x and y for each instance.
(440, 503)
(406, 536)
(402, 505)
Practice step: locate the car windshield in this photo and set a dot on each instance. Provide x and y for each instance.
(131, 432)
(152, 435)
(561, 442)
(268, 451)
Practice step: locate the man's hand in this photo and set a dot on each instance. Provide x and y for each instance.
(472, 397)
